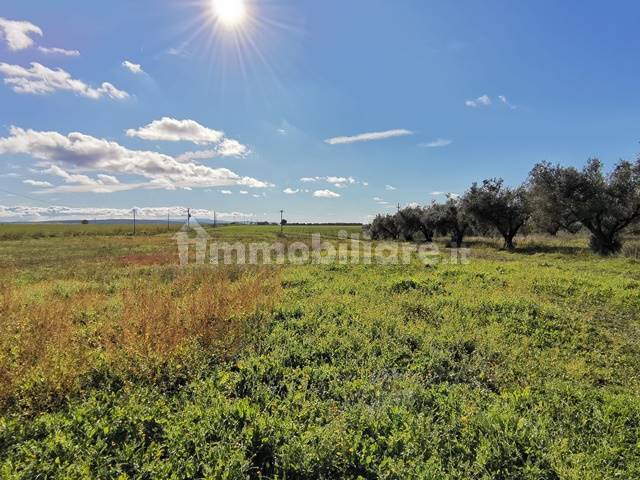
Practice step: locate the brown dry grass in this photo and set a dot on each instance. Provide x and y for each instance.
(50, 341)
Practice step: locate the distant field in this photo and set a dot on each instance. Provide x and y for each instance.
(10, 231)
(117, 363)
(44, 230)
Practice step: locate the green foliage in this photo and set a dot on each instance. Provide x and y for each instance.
(384, 227)
(494, 205)
(605, 204)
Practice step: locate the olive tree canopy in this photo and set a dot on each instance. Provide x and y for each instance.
(606, 204)
(492, 204)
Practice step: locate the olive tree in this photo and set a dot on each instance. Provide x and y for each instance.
(414, 220)
(384, 227)
(450, 218)
(547, 214)
(408, 222)
(606, 204)
(491, 204)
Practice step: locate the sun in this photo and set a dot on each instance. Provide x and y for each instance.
(229, 12)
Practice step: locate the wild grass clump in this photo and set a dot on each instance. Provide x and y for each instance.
(51, 342)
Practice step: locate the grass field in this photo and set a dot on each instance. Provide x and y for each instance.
(117, 363)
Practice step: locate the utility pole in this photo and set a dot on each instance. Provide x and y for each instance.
(188, 217)
(168, 220)
(134, 222)
(281, 218)
(215, 219)
(398, 206)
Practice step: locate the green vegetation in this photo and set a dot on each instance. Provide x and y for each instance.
(116, 363)
(554, 198)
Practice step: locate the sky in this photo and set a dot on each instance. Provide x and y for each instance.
(330, 110)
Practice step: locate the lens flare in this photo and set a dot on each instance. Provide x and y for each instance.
(229, 12)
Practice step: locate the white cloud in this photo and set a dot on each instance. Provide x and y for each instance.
(108, 179)
(180, 51)
(340, 182)
(77, 183)
(325, 194)
(232, 148)
(37, 183)
(17, 34)
(226, 192)
(290, 191)
(367, 137)
(226, 148)
(71, 178)
(83, 153)
(172, 130)
(482, 101)
(440, 142)
(97, 188)
(199, 155)
(448, 194)
(135, 68)
(59, 51)
(504, 100)
(26, 213)
(243, 192)
(40, 80)
(389, 188)
(18, 37)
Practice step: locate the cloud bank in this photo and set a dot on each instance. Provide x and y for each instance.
(84, 153)
(29, 213)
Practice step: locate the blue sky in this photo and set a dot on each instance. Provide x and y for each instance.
(453, 92)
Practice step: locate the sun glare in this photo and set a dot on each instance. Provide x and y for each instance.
(229, 12)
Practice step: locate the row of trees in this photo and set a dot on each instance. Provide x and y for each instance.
(554, 198)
